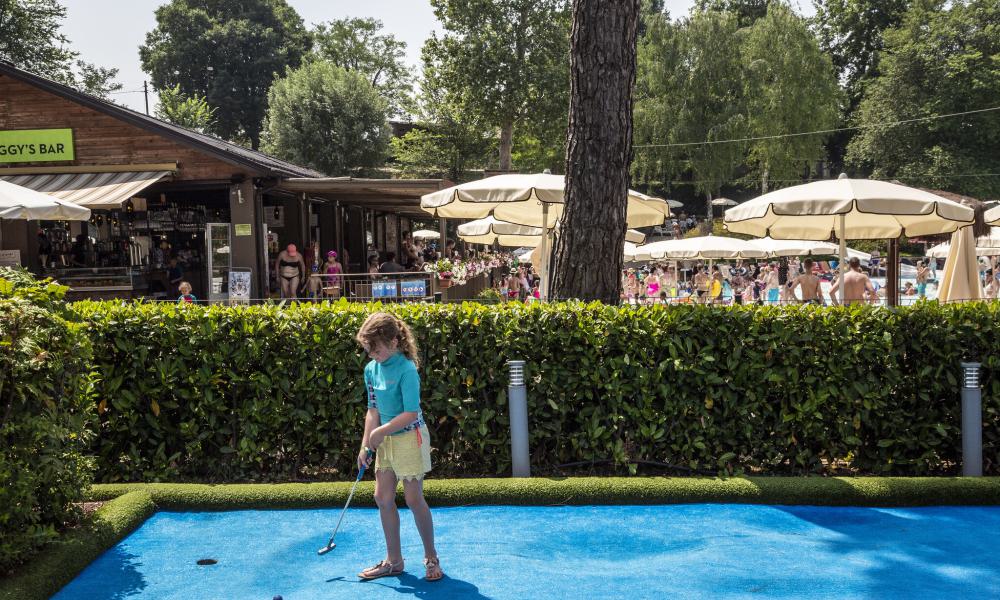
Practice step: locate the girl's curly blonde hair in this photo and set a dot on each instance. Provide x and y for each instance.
(382, 328)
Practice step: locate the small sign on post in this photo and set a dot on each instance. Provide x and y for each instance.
(413, 288)
(10, 258)
(383, 289)
(239, 285)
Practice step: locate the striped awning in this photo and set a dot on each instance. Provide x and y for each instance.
(93, 190)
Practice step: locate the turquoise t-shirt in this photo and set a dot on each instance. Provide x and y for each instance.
(393, 387)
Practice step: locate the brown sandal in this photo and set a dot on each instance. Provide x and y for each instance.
(433, 566)
(384, 568)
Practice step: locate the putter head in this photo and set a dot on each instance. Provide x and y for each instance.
(326, 549)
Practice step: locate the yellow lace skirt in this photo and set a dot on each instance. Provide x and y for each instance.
(408, 455)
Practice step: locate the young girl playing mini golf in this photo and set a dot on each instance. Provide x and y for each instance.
(395, 429)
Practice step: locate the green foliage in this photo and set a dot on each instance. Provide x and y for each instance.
(228, 52)
(851, 34)
(690, 86)
(30, 40)
(327, 118)
(193, 113)
(938, 61)
(267, 392)
(791, 87)
(720, 76)
(46, 414)
(47, 573)
(356, 44)
(441, 150)
(504, 63)
(747, 12)
(448, 140)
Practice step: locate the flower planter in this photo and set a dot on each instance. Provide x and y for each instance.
(444, 283)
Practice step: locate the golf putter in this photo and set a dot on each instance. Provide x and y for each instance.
(331, 545)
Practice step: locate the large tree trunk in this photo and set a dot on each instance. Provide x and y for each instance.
(506, 144)
(710, 210)
(590, 249)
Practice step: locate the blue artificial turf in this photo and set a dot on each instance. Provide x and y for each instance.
(673, 551)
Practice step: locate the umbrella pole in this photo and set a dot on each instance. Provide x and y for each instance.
(711, 282)
(843, 253)
(677, 279)
(544, 254)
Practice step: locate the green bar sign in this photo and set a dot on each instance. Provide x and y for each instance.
(36, 145)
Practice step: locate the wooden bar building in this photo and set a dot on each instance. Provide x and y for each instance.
(167, 200)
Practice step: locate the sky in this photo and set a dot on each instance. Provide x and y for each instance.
(109, 32)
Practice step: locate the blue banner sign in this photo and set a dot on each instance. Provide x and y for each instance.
(414, 288)
(383, 289)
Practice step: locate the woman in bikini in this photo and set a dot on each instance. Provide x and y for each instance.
(290, 267)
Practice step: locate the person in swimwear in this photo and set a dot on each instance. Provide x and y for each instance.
(290, 268)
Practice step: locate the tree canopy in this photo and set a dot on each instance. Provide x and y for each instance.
(228, 51)
(448, 140)
(851, 33)
(938, 61)
(506, 64)
(193, 113)
(358, 45)
(30, 39)
(706, 80)
(690, 88)
(328, 118)
(791, 88)
(746, 11)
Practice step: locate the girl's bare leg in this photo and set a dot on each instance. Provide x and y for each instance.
(385, 498)
(413, 489)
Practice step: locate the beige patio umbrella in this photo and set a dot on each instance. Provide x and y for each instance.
(426, 234)
(993, 216)
(986, 245)
(21, 203)
(775, 247)
(961, 271)
(18, 202)
(707, 247)
(849, 209)
(534, 199)
(490, 230)
(527, 199)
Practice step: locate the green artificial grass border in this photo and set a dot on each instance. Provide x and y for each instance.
(823, 491)
(58, 563)
(131, 503)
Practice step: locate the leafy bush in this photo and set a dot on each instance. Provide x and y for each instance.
(46, 407)
(266, 392)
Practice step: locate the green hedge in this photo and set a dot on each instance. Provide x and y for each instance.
(62, 560)
(46, 414)
(217, 393)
